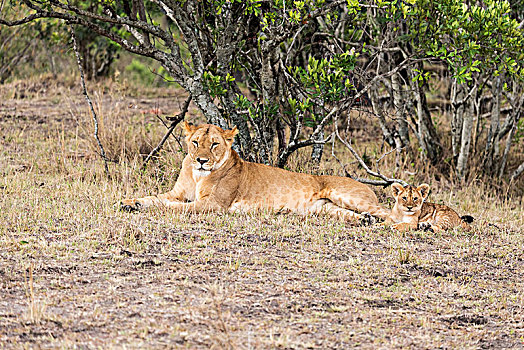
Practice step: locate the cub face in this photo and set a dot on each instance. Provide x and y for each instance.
(409, 199)
(208, 147)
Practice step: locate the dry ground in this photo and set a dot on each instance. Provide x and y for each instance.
(77, 273)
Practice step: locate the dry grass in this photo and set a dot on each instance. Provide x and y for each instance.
(95, 277)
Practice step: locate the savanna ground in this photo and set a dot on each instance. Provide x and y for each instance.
(75, 272)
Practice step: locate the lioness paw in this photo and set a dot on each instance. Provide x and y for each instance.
(366, 219)
(130, 205)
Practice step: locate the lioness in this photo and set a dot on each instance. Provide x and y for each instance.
(412, 212)
(213, 177)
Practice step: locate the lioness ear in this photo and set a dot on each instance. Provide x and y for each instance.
(189, 129)
(229, 135)
(396, 188)
(424, 190)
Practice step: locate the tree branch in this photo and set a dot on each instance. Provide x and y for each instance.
(293, 146)
(95, 119)
(170, 130)
(149, 51)
(386, 180)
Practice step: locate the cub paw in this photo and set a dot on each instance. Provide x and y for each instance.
(366, 219)
(425, 226)
(130, 205)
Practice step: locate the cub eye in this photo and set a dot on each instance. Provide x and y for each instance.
(415, 199)
(195, 143)
(405, 198)
(214, 144)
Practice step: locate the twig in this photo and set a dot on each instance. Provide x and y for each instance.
(174, 123)
(359, 179)
(397, 149)
(161, 120)
(95, 119)
(295, 145)
(386, 180)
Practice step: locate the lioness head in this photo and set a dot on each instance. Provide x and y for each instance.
(409, 199)
(208, 146)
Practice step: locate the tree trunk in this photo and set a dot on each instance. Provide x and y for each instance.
(457, 109)
(227, 45)
(467, 130)
(427, 134)
(513, 120)
(509, 140)
(400, 110)
(318, 149)
(492, 142)
(379, 113)
(517, 172)
(204, 102)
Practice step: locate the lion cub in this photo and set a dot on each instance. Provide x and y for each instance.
(412, 212)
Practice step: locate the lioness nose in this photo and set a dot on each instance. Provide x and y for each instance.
(202, 160)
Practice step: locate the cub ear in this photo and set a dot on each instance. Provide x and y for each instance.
(396, 189)
(229, 135)
(189, 129)
(424, 190)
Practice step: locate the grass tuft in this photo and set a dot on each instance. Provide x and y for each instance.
(36, 308)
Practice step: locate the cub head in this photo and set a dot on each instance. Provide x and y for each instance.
(208, 146)
(409, 199)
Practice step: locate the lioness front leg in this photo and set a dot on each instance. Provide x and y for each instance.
(164, 199)
(184, 190)
(198, 206)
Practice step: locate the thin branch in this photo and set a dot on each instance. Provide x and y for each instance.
(477, 87)
(372, 182)
(396, 149)
(387, 181)
(293, 43)
(384, 75)
(139, 24)
(23, 20)
(70, 19)
(177, 139)
(170, 130)
(295, 145)
(95, 119)
(177, 16)
(276, 38)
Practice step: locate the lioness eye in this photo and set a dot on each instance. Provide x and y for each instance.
(415, 199)
(195, 143)
(214, 144)
(405, 198)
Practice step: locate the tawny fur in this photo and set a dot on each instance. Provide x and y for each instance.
(221, 180)
(411, 212)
